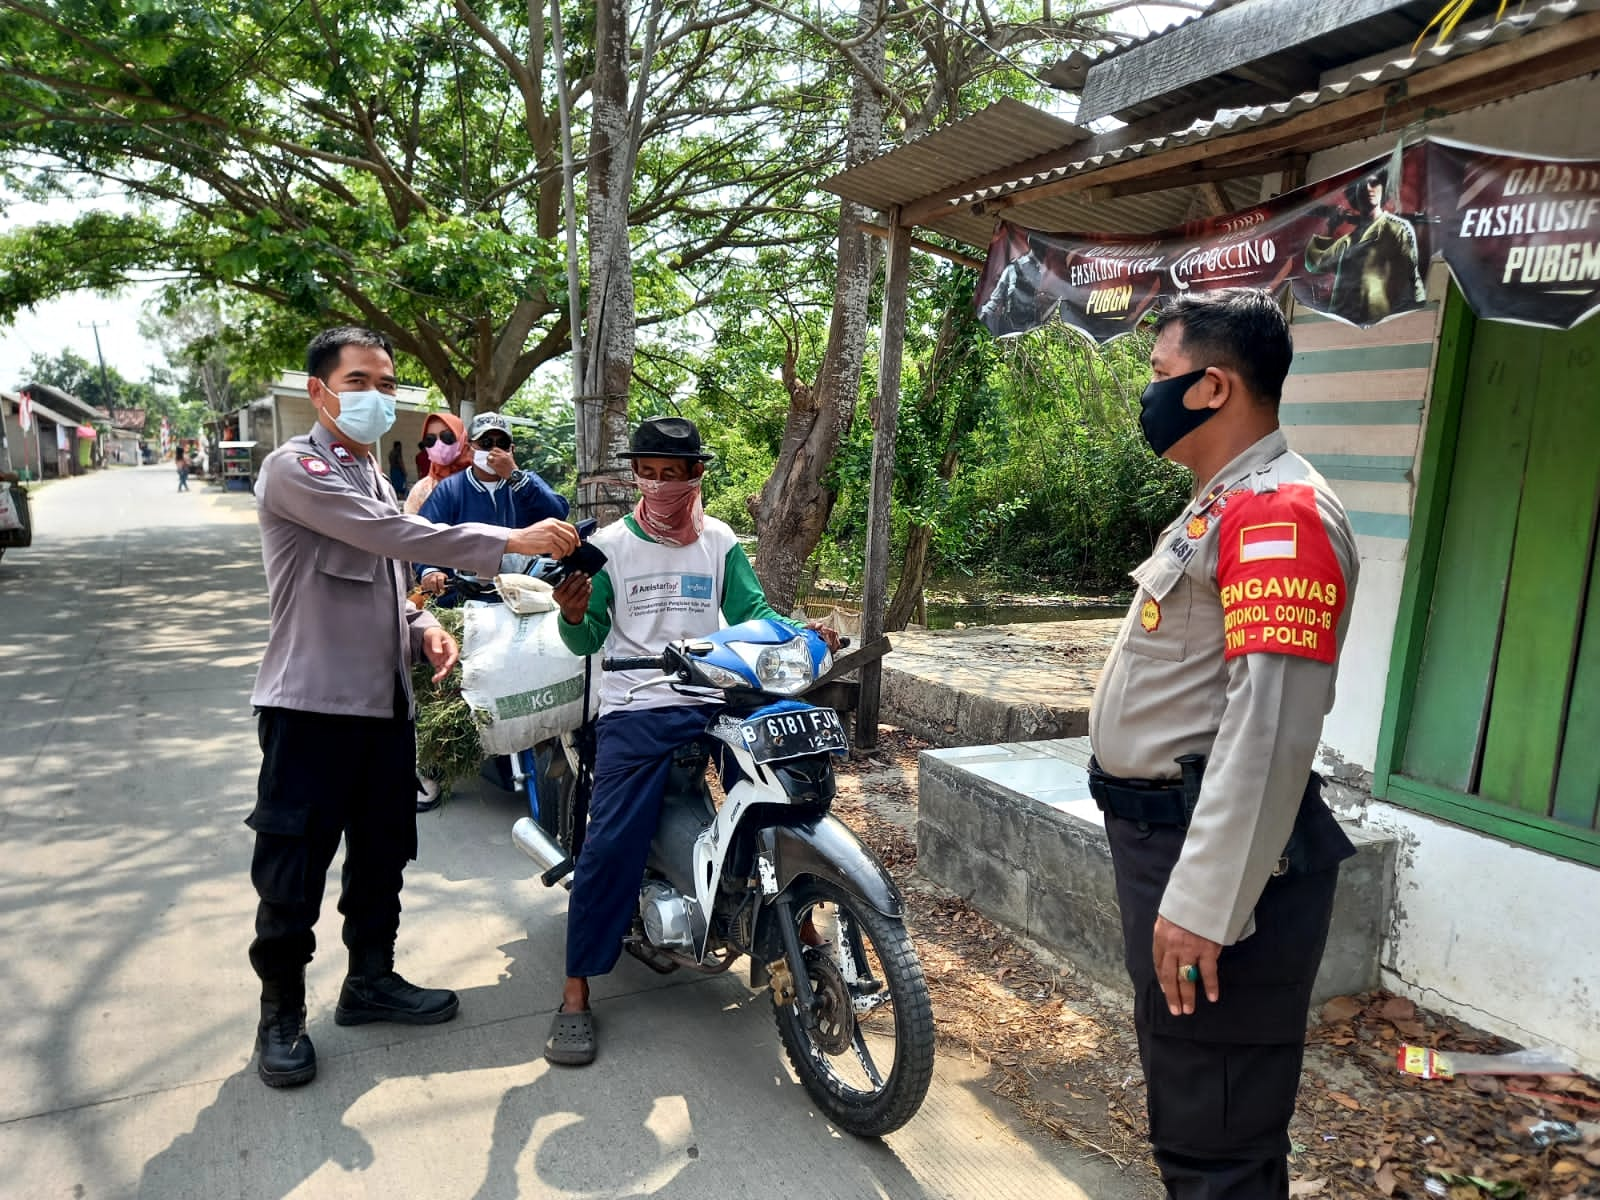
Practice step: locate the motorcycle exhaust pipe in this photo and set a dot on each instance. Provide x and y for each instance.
(531, 838)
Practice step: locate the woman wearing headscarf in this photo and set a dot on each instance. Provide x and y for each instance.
(444, 441)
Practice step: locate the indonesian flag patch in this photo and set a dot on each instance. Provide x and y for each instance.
(1281, 584)
(1276, 539)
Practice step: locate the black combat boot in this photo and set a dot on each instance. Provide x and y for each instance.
(373, 992)
(287, 1058)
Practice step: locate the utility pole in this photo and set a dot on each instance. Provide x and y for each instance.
(105, 388)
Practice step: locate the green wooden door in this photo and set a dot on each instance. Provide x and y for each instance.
(1508, 686)
(1458, 656)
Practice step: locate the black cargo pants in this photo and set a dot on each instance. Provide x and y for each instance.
(1221, 1082)
(323, 777)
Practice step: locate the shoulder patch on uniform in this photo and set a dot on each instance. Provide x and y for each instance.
(314, 465)
(1271, 539)
(1282, 588)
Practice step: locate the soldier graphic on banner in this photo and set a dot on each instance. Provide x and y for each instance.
(1027, 292)
(1376, 266)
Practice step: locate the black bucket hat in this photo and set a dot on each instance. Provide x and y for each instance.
(666, 437)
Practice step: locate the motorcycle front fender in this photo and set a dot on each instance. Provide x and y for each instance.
(825, 848)
(822, 848)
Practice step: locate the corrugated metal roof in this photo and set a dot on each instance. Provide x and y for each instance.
(1000, 136)
(1076, 212)
(1076, 63)
(968, 150)
(1232, 122)
(1265, 50)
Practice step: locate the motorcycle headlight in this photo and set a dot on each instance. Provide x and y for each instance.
(784, 670)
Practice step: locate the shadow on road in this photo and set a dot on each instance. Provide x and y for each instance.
(563, 1131)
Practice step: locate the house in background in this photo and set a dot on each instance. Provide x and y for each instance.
(1467, 724)
(125, 434)
(286, 411)
(61, 440)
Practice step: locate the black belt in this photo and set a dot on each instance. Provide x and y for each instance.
(1150, 801)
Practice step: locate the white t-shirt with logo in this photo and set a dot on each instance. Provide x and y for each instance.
(658, 594)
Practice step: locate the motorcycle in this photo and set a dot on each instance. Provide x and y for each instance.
(769, 874)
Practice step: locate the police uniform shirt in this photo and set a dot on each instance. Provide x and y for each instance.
(335, 545)
(1229, 650)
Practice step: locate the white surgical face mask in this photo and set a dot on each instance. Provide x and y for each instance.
(364, 417)
(480, 459)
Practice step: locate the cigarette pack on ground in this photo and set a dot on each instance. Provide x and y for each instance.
(1440, 1064)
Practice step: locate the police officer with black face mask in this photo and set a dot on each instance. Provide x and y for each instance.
(334, 698)
(1204, 727)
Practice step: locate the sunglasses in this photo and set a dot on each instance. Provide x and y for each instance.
(448, 438)
(495, 442)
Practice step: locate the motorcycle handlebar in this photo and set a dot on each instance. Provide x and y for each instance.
(654, 662)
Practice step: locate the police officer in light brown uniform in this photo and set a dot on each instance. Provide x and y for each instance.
(334, 698)
(1204, 728)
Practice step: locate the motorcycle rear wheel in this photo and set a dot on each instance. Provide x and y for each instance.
(881, 1018)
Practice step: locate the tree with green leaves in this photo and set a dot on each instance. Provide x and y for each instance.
(191, 332)
(338, 161)
(911, 68)
(70, 372)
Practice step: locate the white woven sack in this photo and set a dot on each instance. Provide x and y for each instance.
(520, 680)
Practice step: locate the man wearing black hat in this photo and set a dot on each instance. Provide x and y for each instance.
(671, 572)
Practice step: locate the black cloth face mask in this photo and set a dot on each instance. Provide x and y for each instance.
(1162, 416)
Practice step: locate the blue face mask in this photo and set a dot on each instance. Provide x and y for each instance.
(1162, 416)
(364, 417)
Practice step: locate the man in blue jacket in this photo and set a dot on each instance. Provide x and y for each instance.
(493, 491)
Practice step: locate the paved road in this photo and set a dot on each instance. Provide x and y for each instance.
(131, 632)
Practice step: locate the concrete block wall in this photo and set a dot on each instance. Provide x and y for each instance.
(1012, 829)
(943, 713)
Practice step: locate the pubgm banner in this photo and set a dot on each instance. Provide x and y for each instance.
(1521, 235)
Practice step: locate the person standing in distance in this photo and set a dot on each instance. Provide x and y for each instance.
(334, 698)
(1204, 727)
(397, 468)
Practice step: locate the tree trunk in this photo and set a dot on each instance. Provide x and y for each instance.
(945, 379)
(602, 409)
(793, 508)
(908, 592)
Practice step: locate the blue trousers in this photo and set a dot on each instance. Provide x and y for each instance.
(633, 754)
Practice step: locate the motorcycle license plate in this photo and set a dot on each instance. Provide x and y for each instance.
(794, 734)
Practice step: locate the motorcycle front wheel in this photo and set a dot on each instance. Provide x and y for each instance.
(868, 1061)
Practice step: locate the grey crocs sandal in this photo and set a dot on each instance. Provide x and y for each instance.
(571, 1042)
